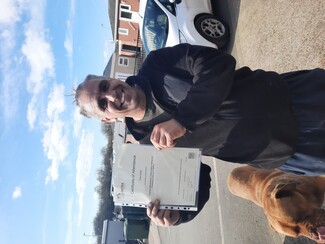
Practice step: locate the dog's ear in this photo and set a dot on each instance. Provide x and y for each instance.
(284, 190)
(271, 226)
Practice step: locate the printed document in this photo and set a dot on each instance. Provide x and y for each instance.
(141, 174)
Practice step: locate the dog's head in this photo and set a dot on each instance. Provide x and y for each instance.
(294, 207)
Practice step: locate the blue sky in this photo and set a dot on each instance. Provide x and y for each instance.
(49, 153)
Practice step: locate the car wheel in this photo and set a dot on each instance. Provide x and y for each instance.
(213, 30)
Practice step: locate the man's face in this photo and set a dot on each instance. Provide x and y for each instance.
(108, 99)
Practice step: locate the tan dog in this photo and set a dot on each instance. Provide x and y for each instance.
(291, 203)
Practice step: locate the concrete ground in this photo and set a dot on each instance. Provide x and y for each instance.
(280, 35)
(225, 218)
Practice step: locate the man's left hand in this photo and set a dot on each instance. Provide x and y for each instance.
(161, 217)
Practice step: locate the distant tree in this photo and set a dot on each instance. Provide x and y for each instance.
(104, 177)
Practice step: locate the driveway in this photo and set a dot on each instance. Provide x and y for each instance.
(280, 35)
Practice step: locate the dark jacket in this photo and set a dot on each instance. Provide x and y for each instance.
(241, 116)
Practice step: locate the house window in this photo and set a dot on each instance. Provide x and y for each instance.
(130, 48)
(123, 61)
(122, 76)
(125, 7)
(125, 11)
(123, 31)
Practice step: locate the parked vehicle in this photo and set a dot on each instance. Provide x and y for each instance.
(166, 23)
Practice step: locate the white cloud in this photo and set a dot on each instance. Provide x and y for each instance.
(77, 122)
(55, 141)
(9, 91)
(38, 53)
(9, 11)
(40, 57)
(83, 166)
(56, 104)
(31, 113)
(68, 42)
(17, 193)
(95, 197)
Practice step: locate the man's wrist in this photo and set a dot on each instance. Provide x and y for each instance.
(179, 221)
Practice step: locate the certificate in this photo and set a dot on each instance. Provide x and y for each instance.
(141, 174)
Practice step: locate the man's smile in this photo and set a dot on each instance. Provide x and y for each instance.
(120, 99)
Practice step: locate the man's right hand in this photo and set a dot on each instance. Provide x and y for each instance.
(164, 134)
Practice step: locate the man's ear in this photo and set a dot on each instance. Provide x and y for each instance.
(107, 120)
(104, 120)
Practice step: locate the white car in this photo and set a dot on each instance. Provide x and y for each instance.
(165, 23)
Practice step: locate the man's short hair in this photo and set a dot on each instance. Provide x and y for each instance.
(77, 91)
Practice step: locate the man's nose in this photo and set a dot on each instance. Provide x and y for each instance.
(110, 95)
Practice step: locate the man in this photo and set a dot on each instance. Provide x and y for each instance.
(191, 96)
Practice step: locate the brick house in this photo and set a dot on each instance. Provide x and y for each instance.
(128, 55)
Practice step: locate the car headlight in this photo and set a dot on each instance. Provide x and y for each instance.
(182, 38)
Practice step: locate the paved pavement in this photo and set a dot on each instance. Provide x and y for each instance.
(225, 218)
(281, 35)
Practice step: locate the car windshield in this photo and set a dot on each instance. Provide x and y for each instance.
(155, 27)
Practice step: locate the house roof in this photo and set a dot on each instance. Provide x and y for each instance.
(112, 14)
(108, 68)
(113, 18)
